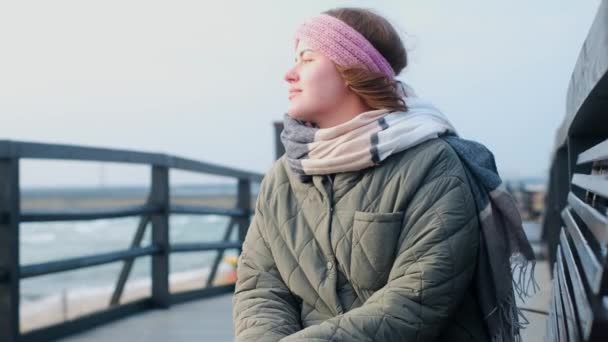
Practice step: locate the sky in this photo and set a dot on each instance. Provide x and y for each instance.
(204, 79)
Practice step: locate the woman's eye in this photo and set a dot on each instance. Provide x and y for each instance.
(303, 60)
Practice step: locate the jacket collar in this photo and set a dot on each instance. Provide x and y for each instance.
(342, 183)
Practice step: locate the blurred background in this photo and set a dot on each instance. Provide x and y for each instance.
(204, 80)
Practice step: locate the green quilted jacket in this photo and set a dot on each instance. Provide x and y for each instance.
(382, 254)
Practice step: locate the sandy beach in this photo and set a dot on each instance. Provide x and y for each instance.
(75, 303)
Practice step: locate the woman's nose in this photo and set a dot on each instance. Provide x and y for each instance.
(291, 75)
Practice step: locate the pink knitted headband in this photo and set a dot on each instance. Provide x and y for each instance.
(342, 44)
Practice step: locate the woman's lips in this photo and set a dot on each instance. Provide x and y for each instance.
(293, 93)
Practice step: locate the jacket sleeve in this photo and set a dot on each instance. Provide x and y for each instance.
(264, 309)
(432, 270)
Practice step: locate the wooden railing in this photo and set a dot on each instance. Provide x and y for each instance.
(155, 212)
(580, 285)
(575, 224)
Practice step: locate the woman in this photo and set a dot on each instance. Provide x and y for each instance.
(379, 223)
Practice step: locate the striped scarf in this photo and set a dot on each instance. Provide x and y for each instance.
(364, 141)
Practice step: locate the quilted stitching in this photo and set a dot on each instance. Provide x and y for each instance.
(378, 260)
(402, 302)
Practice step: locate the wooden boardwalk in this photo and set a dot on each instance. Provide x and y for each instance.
(211, 320)
(202, 320)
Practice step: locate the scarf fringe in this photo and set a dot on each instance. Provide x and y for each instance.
(510, 324)
(510, 315)
(526, 284)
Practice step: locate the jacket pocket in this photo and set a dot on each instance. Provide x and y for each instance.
(375, 238)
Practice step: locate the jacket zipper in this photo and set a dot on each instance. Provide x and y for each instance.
(332, 264)
(331, 194)
(330, 198)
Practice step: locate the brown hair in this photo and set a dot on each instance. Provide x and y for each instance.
(376, 90)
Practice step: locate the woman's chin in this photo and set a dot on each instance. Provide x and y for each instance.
(298, 115)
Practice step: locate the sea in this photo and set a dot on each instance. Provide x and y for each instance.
(41, 242)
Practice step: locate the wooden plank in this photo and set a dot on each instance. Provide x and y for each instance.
(86, 215)
(200, 210)
(559, 314)
(596, 184)
(569, 313)
(580, 296)
(29, 150)
(207, 320)
(595, 221)
(34, 270)
(596, 153)
(205, 246)
(550, 327)
(591, 266)
(576, 146)
(552, 331)
(87, 322)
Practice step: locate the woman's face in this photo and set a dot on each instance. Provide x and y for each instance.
(316, 89)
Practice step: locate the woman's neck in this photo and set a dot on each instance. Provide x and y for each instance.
(347, 110)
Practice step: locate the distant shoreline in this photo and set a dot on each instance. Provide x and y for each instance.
(75, 198)
(100, 202)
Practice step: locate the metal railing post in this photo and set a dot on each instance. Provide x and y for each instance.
(279, 149)
(9, 250)
(159, 196)
(244, 203)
